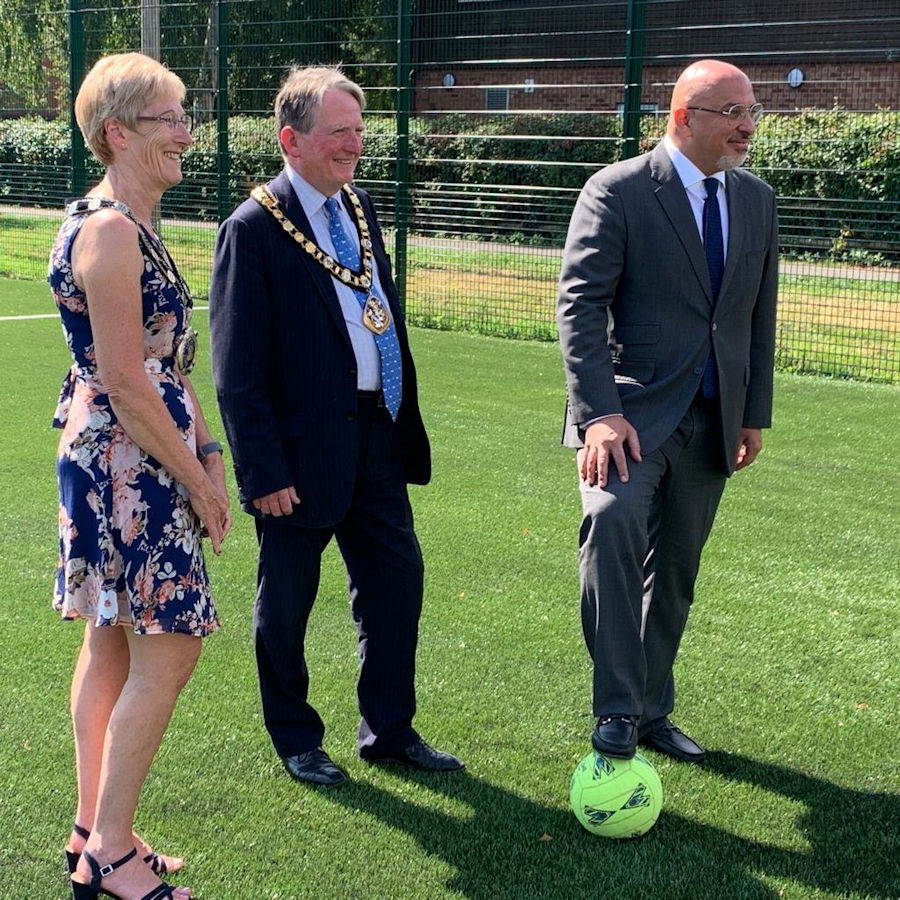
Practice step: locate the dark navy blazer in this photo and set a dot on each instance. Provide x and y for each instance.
(284, 368)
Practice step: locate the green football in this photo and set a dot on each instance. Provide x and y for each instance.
(616, 798)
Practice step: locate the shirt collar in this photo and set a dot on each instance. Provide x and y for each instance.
(689, 174)
(311, 199)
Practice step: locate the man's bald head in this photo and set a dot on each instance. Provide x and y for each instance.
(703, 91)
(702, 77)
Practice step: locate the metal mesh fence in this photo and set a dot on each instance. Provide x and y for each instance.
(485, 118)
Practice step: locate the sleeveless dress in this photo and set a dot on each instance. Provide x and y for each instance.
(129, 540)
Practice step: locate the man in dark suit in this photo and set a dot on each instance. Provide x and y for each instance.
(666, 318)
(318, 395)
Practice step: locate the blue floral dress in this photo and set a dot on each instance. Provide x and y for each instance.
(129, 540)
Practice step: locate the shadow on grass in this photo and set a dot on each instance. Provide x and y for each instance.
(503, 845)
(854, 836)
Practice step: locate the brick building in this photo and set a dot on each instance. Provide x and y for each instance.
(539, 55)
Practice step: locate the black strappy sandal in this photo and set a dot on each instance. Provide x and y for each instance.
(157, 864)
(152, 859)
(82, 891)
(71, 856)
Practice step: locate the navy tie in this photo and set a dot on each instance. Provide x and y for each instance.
(714, 246)
(387, 343)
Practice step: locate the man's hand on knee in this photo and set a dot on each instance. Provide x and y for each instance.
(607, 439)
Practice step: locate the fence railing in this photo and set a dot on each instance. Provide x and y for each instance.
(485, 118)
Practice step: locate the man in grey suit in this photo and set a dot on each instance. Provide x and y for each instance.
(666, 319)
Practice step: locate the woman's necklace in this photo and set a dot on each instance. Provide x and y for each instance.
(185, 348)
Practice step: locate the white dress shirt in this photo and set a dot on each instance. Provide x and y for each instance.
(692, 179)
(368, 360)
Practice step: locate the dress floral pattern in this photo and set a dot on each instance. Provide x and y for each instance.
(129, 540)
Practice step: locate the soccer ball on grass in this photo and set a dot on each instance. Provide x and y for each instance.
(616, 798)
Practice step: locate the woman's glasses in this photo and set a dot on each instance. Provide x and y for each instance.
(172, 121)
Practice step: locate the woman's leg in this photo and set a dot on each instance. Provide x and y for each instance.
(100, 674)
(160, 666)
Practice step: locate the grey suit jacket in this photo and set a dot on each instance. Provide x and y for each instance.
(635, 313)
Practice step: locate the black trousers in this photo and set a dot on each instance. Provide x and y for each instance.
(641, 543)
(386, 578)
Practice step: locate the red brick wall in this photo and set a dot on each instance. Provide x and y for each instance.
(854, 86)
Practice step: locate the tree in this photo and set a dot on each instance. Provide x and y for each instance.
(265, 37)
(33, 70)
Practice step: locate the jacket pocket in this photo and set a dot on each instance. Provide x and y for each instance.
(647, 333)
(633, 374)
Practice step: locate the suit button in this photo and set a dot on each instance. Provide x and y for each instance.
(351, 417)
(715, 327)
(351, 372)
(698, 370)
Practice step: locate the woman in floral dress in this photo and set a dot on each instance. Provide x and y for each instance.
(140, 477)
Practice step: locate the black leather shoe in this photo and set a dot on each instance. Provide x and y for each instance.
(667, 738)
(420, 756)
(615, 736)
(315, 767)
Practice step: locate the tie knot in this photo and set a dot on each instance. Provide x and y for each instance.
(331, 205)
(712, 186)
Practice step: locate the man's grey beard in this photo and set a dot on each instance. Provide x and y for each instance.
(731, 162)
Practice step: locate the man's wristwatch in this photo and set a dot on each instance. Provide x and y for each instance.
(206, 449)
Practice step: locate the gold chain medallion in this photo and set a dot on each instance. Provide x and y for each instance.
(361, 280)
(375, 314)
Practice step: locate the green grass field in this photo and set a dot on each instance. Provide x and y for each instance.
(833, 320)
(788, 673)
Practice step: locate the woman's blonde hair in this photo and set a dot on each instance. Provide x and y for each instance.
(119, 87)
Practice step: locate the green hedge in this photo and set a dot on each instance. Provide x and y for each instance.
(837, 174)
(34, 161)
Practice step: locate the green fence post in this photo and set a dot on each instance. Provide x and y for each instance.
(223, 153)
(77, 159)
(401, 165)
(634, 69)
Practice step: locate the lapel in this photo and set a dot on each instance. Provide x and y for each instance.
(673, 198)
(281, 188)
(736, 198)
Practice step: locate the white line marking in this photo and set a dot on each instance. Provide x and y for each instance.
(24, 318)
(56, 315)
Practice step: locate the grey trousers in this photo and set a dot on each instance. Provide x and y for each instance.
(640, 547)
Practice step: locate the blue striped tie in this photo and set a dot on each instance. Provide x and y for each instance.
(714, 246)
(387, 343)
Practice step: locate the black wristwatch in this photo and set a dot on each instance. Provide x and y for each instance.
(207, 449)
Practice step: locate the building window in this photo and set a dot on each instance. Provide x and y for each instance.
(496, 98)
